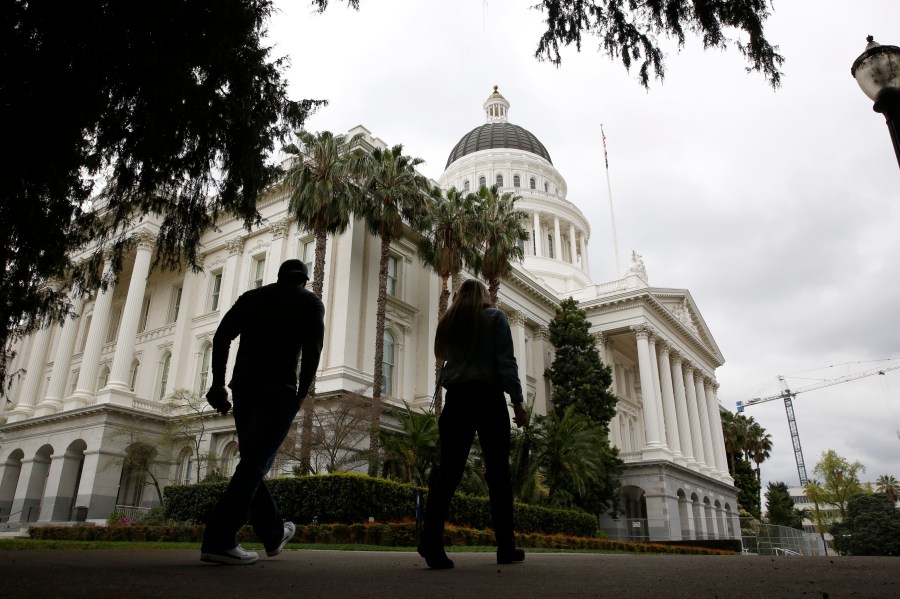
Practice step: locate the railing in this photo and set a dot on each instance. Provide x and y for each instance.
(771, 539)
(661, 529)
(132, 512)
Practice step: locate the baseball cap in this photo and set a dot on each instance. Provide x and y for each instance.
(293, 268)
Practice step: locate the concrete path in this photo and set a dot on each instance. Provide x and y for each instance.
(99, 574)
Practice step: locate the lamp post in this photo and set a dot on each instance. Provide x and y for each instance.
(877, 71)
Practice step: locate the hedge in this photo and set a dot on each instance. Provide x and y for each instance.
(354, 498)
(395, 534)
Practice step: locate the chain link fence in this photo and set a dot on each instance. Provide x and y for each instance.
(770, 539)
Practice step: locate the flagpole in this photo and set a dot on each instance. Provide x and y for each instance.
(612, 215)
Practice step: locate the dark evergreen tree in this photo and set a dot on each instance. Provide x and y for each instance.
(748, 486)
(579, 378)
(779, 505)
(871, 527)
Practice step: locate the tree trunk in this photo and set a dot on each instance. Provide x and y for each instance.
(378, 375)
(494, 288)
(309, 404)
(443, 300)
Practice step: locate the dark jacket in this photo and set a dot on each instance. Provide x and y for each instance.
(493, 361)
(276, 323)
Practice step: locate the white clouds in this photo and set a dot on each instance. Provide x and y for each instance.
(780, 211)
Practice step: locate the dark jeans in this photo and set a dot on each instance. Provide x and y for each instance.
(471, 408)
(262, 421)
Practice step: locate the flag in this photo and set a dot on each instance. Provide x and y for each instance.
(605, 157)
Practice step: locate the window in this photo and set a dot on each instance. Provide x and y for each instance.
(145, 314)
(215, 290)
(114, 320)
(103, 378)
(132, 379)
(308, 254)
(482, 182)
(466, 186)
(516, 181)
(258, 272)
(387, 366)
(546, 187)
(186, 466)
(205, 362)
(174, 305)
(392, 276)
(164, 375)
(230, 459)
(531, 183)
(550, 246)
(499, 180)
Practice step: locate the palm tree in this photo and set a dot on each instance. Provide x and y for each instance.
(394, 194)
(324, 196)
(735, 428)
(501, 234)
(889, 486)
(759, 445)
(411, 453)
(448, 245)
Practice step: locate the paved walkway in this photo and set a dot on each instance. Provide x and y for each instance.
(336, 574)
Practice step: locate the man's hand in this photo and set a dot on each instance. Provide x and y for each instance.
(217, 397)
(520, 417)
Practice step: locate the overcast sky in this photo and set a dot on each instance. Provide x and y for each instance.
(778, 210)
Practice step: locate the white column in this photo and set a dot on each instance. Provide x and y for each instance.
(557, 239)
(537, 234)
(702, 410)
(681, 410)
(131, 315)
(229, 275)
(37, 362)
(90, 359)
(657, 393)
(179, 365)
(276, 250)
(715, 425)
(572, 249)
(693, 414)
(65, 347)
(584, 257)
(673, 436)
(651, 411)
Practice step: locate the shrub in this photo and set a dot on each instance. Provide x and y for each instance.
(352, 498)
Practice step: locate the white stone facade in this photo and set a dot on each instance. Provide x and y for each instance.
(97, 383)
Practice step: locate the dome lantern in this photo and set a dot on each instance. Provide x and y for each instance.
(496, 107)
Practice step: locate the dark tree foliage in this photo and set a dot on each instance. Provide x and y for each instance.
(579, 378)
(629, 30)
(748, 486)
(168, 108)
(872, 527)
(779, 505)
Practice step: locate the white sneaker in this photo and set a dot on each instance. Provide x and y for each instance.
(233, 557)
(289, 530)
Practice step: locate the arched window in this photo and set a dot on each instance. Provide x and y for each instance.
(205, 362)
(387, 366)
(546, 187)
(103, 379)
(516, 181)
(466, 185)
(499, 180)
(164, 375)
(532, 183)
(186, 473)
(550, 246)
(230, 459)
(482, 182)
(132, 379)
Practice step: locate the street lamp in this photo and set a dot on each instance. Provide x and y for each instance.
(877, 71)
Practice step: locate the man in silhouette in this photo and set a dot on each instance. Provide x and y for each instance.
(277, 323)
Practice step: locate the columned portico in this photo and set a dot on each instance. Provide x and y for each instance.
(651, 408)
(693, 415)
(673, 436)
(119, 388)
(37, 361)
(681, 411)
(65, 347)
(708, 455)
(90, 360)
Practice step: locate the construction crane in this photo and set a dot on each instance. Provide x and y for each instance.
(788, 396)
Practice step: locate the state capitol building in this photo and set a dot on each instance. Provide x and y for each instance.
(151, 334)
